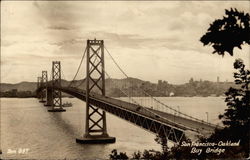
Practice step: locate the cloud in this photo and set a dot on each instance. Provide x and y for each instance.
(58, 28)
(5, 43)
(67, 42)
(162, 34)
(135, 41)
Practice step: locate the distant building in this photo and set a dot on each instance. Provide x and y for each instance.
(218, 79)
(191, 80)
(171, 94)
(162, 86)
(159, 82)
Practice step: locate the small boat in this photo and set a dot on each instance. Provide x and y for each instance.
(67, 104)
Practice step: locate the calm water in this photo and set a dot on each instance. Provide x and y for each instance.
(26, 124)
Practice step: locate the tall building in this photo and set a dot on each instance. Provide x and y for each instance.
(218, 79)
(191, 80)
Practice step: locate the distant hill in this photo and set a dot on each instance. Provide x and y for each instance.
(31, 86)
(22, 86)
(136, 87)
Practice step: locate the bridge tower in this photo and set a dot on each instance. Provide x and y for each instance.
(49, 98)
(56, 82)
(43, 83)
(95, 124)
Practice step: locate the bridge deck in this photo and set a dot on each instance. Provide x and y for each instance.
(203, 128)
(182, 122)
(174, 120)
(173, 126)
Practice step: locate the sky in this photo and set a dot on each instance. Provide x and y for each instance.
(149, 40)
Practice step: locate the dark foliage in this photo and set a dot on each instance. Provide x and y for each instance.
(179, 152)
(229, 134)
(162, 140)
(150, 155)
(237, 115)
(238, 99)
(115, 156)
(231, 31)
(136, 155)
(225, 34)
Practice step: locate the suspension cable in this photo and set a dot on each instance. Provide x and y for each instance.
(78, 67)
(116, 63)
(90, 70)
(63, 76)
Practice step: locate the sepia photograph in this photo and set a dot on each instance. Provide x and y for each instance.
(125, 80)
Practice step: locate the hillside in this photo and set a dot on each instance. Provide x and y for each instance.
(136, 87)
(22, 86)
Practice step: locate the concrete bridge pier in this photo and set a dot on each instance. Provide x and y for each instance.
(49, 98)
(56, 99)
(38, 95)
(95, 139)
(42, 96)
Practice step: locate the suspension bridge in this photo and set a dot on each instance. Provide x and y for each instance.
(158, 118)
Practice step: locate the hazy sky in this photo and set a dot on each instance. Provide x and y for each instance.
(150, 40)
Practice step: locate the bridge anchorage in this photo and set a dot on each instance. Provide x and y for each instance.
(95, 124)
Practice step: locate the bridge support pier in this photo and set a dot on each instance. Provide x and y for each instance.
(42, 95)
(98, 139)
(56, 95)
(95, 124)
(49, 98)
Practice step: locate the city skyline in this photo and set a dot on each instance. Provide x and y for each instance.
(157, 82)
(149, 40)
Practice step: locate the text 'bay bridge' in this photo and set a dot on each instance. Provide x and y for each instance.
(152, 118)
